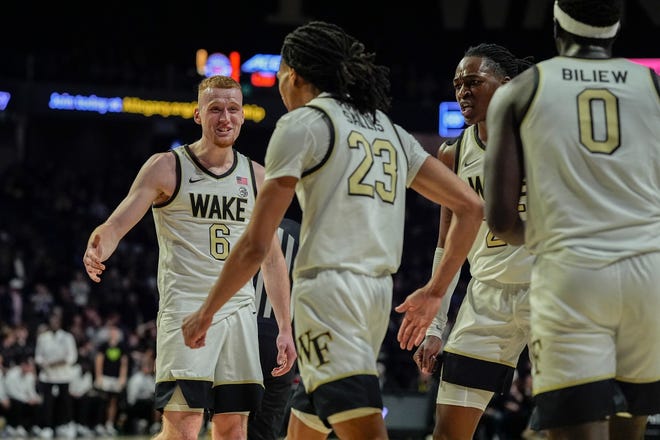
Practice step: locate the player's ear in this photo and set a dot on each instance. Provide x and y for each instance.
(296, 79)
(196, 117)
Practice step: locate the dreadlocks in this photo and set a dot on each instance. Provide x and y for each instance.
(335, 62)
(500, 59)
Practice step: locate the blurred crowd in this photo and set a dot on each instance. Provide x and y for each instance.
(43, 231)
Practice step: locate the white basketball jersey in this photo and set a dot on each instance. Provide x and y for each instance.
(490, 258)
(196, 229)
(353, 201)
(591, 141)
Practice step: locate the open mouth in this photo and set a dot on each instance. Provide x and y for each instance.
(466, 109)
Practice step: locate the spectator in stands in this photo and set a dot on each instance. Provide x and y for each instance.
(42, 300)
(80, 288)
(4, 397)
(111, 374)
(25, 402)
(16, 344)
(55, 354)
(15, 302)
(88, 407)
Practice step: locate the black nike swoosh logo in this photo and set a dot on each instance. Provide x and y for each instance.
(191, 180)
(467, 164)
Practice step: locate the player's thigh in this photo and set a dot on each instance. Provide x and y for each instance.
(238, 381)
(238, 360)
(175, 360)
(456, 422)
(575, 312)
(306, 426)
(370, 426)
(459, 396)
(492, 323)
(340, 322)
(637, 341)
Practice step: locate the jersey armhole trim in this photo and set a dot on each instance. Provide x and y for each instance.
(177, 187)
(331, 147)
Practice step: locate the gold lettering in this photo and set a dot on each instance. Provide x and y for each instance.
(314, 346)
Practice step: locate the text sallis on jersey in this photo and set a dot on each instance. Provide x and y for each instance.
(218, 207)
(356, 118)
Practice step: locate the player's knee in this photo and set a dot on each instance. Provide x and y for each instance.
(178, 433)
(181, 425)
(230, 425)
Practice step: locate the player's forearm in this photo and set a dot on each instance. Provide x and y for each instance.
(439, 322)
(109, 239)
(280, 300)
(278, 288)
(461, 235)
(125, 216)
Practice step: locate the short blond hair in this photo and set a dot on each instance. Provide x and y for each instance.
(218, 82)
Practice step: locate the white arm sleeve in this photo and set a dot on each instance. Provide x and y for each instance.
(438, 324)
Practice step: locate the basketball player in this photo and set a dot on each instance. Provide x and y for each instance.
(350, 167)
(492, 326)
(582, 130)
(202, 197)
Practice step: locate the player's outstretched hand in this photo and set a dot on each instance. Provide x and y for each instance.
(286, 354)
(194, 329)
(92, 259)
(418, 310)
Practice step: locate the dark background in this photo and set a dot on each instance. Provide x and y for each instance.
(150, 46)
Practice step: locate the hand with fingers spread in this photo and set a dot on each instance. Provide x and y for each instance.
(419, 309)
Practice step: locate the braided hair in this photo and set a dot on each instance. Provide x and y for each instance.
(593, 12)
(499, 59)
(335, 62)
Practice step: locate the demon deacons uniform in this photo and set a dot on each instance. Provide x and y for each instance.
(492, 325)
(196, 229)
(594, 229)
(353, 175)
